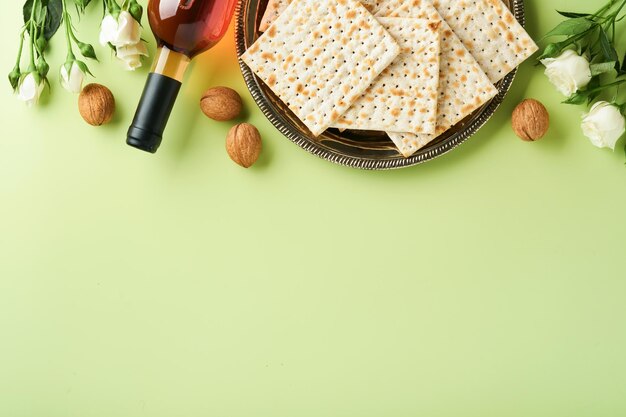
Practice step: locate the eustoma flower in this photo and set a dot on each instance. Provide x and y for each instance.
(123, 33)
(604, 125)
(569, 72)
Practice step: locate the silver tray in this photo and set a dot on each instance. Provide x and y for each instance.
(358, 149)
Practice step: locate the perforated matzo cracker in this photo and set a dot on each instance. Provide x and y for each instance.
(372, 5)
(404, 97)
(276, 7)
(386, 7)
(463, 86)
(319, 57)
(272, 11)
(490, 32)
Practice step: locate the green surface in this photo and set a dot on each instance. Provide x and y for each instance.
(488, 282)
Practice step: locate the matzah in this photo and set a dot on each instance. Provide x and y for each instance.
(490, 32)
(387, 7)
(319, 57)
(372, 5)
(272, 11)
(463, 86)
(276, 7)
(404, 97)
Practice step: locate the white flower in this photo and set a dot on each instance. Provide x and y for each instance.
(123, 31)
(128, 31)
(108, 30)
(569, 72)
(603, 125)
(72, 82)
(131, 55)
(30, 89)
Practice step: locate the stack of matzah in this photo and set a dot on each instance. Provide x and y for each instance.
(411, 68)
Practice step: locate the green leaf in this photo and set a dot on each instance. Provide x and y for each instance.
(572, 14)
(54, 18)
(601, 68)
(594, 88)
(608, 50)
(83, 67)
(48, 15)
(577, 98)
(27, 10)
(551, 51)
(82, 4)
(571, 27)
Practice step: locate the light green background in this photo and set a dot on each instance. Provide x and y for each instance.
(488, 282)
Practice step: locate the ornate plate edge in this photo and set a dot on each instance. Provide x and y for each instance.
(314, 148)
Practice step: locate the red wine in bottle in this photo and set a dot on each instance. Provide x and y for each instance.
(183, 29)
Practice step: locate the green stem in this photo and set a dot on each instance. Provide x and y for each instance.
(32, 38)
(68, 30)
(616, 14)
(74, 38)
(604, 9)
(608, 23)
(604, 87)
(613, 33)
(20, 49)
(36, 36)
(576, 38)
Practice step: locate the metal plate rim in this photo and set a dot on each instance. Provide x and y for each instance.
(367, 163)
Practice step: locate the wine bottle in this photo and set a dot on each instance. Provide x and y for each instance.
(183, 29)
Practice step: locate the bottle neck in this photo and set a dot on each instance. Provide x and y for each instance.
(157, 100)
(170, 63)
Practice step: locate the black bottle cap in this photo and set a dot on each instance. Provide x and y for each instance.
(155, 106)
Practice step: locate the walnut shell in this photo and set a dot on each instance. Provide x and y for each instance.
(96, 104)
(530, 120)
(221, 103)
(243, 144)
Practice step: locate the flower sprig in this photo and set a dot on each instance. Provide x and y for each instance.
(121, 31)
(41, 21)
(584, 64)
(73, 71)
(43, 18)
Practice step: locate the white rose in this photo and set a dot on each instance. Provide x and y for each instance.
(72, 82)
(128, 31)
(569, 72)
(123, 31)
(131, 55)
(30, 89)
(108, 30)
(603, 125)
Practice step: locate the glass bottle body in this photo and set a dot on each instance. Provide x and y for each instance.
(183, 29)
(189, 26)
